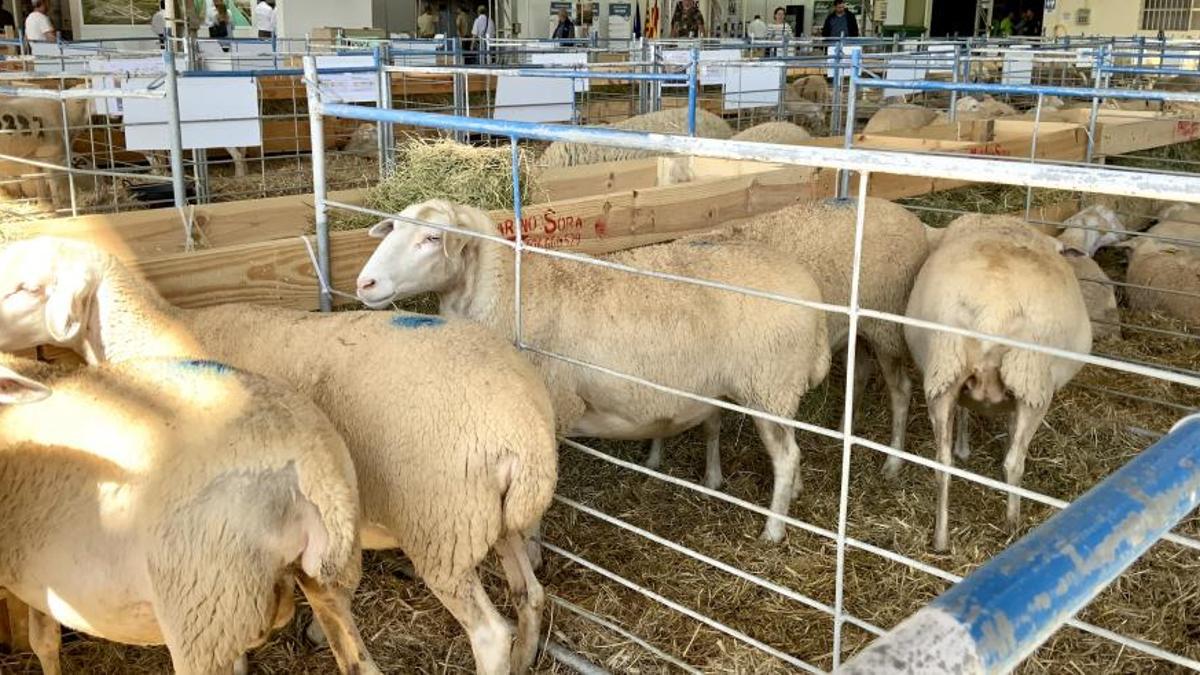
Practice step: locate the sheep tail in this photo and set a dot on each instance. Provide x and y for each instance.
(530, 487)
(330, 513)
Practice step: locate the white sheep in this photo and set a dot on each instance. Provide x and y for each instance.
(33, 129)
(1164, 273)
(1084, 234)
(998, 276)
(1092, 229)
(452, 433)
(820, 235)
(756, 352)
(986, 108)
(172, 502)
(784, 133)
(672, 121)
(813, 88)
(901, 116)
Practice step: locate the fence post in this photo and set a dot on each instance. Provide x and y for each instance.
(387, 148)
(693, 89)
(316, 125)
(1007, 608)
(175, 130)
(843, 191)
(1097, 73)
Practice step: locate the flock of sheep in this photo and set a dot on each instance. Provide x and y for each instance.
(206, 462)
(227, 460)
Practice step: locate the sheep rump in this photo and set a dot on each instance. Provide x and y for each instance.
(997, 276)
(673, 121)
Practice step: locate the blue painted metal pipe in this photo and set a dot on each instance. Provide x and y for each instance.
(1007, 608)
(272, 72)
(1151, 70)
(693, 81)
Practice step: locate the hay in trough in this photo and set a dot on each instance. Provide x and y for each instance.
(939, 208)
(445, 169)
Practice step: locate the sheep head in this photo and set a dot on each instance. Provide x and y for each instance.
(16, 389)
(418, 258)
(47, 286)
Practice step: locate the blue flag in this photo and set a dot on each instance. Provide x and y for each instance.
(637, 19)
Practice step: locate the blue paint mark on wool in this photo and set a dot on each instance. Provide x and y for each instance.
(205, 364)
(416, 321)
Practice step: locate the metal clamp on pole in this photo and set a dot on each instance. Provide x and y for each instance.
(1007, 608)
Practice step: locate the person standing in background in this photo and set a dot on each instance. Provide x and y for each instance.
(840, 22)
(427, 23)
(218, 22)
(264, 19)
(483, 30)
(158, 24)
(690, 23)
(565, 30)
(6, 20)
(757, 28)
(38, 27)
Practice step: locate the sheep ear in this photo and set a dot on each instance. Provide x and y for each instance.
(68, 304)
(382, 229)
(15, 390)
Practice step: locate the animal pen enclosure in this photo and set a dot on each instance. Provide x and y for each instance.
(652, 572)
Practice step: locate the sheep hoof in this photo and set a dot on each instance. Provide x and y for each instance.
(891, 468)
(241, 666)
(772, 535)
(713, 481)
(941, 543)
(315, 634)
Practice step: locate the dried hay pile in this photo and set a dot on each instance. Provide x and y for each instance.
(445, 169)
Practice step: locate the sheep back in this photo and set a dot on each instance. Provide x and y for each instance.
(451, 430)
(820, 235)
(673, 121)
(996, 275)
(1165, 275)
(784, 133)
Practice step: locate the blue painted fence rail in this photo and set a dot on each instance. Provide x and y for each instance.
(1002, 612)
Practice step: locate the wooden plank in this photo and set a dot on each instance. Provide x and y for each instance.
(592, 179)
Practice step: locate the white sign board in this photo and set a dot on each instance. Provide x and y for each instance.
(752, 86)
(847, 55)
(620, 21)
(414, 52)
(216, 112)
(350, 87)
(563, 59)
(940, 59)
(709, 72)
(534, 99)
(53, 58)
(119, 78)
(1018, 66)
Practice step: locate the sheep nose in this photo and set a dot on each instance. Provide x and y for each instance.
(365, 284)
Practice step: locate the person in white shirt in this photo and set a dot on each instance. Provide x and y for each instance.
(158, 23)
(37, 25)
(757, 28)
(484, 27)
(264, 18)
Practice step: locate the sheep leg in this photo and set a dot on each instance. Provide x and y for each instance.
(18, 623)
(862, 375)
(490, 637)
(46, 639)
(331, 607)
(239, 162)
(528, 596)
(533, 544)
(962, 437)
(941, 414)
(712, 452)
(899, 386)
(781, 445)
(654, 460)
(1026, 421)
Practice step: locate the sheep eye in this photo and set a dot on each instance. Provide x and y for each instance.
(433, 237)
